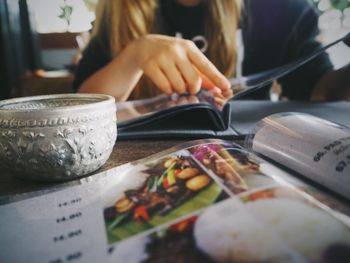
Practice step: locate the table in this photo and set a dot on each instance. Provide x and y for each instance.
(123, 152)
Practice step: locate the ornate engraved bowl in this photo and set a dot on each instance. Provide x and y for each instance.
(56, 137)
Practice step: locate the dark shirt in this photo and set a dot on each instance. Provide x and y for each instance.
(274, 33)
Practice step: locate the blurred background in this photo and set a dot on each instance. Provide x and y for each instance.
(42, 40)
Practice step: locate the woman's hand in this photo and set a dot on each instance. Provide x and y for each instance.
(174, 65)
(177, 65)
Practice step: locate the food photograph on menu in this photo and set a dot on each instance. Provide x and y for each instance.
(182, 183)
(170, 188)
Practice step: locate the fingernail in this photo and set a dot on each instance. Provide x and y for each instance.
(225, 83)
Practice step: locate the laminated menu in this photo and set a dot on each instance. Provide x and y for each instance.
(204, 116)
(208, 115)
(202, 201)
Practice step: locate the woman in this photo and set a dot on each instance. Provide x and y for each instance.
(136, 52)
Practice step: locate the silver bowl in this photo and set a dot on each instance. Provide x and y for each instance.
(56, 137)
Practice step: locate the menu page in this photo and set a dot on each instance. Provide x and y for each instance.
(136, 109)
(207, 201)
(311, 146)
(62, 226)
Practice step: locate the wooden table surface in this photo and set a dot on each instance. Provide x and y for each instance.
(123, 152)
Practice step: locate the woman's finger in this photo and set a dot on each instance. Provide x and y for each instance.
(174, 77)
(227, 93)
(206, 82)
(190, 75)
(158, 78)
(209, 85)
(206, 67)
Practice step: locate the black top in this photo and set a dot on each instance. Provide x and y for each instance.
(274, 32)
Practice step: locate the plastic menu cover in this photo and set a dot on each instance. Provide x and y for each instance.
(130, 111)
(204, 201)
(313, 147)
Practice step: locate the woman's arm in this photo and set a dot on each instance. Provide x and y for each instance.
(174, 65)
(117, 78)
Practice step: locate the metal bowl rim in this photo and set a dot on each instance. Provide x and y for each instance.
(105, 100)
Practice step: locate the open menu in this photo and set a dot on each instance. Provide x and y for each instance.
(176, 115)
(206, 116)
(202, 201)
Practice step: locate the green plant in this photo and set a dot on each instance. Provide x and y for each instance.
(340, 4)
(91, 4)
(67, 11)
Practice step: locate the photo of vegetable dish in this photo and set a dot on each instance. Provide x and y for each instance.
(175, 186)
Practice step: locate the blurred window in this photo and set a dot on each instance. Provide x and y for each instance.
(335, 14)
(57, 16)
(334, 22)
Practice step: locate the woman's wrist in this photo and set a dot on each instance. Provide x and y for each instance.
(132, 55)
(139, 51)
(127, 71)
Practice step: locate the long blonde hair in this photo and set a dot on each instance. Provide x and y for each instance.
(126, 20)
